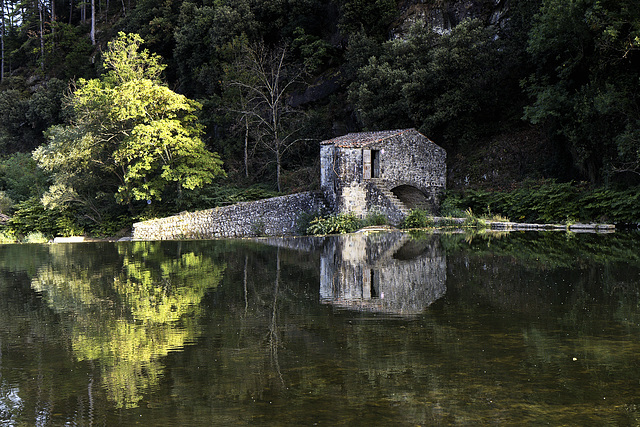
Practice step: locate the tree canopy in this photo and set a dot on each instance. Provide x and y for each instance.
(130, 136)
(587, 84)
(146, 113)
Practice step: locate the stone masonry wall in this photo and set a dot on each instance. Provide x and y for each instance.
(378, 202)
(328, 174)
(405, 158)
(363, 272)
(412, 159)
(277, 216)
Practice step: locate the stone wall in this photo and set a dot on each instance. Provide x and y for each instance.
(277, 216)
(341, 179)
(328, 174)
(378, 202)
(412, 159)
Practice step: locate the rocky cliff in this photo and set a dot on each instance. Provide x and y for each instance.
(442, 15)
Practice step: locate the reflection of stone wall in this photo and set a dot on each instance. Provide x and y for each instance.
(362, 272)
(270, 217)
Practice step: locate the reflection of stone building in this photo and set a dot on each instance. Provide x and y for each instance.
(382, 272)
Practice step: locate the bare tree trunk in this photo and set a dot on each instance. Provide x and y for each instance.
(52, 6)
(264, 78)
(246, 147)
(274, 339)
(246, 293)
(41, 17)
(2, 41)
(278, 168)
(93, 22)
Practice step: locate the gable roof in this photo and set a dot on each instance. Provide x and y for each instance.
(362, 139)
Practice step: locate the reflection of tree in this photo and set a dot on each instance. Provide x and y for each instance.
(149, 307)
(274, 339)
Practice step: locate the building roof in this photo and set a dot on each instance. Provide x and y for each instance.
(362, 139)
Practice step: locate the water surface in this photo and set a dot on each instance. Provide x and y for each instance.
(384, 329)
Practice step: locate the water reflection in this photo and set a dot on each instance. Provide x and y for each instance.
(382, 272)
(533, 329)
(127, 315)
(10, 404)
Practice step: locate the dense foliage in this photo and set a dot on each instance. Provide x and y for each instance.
(342, 223)
(587, 80)
(549, 202)
(261, 82)
(129, 137)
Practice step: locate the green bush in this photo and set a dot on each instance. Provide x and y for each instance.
(6, 204)
(35, 237)
(223, 195)
(7, 236)
(67, 226)
(31, 216)
(472, 220)
(304, 221)
(375, 218)
(417, 218)
(451, 206)
(335, 224)
(21, 178)
(113, 226)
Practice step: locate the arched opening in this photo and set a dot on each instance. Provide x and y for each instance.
(412, 197)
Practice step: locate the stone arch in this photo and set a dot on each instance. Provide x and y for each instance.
(412, 197)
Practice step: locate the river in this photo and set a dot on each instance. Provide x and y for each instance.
(363, 329)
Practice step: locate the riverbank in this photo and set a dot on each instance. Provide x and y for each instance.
(519, 226)
(436, 223)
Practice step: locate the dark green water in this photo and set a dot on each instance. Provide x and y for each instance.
(537, 329)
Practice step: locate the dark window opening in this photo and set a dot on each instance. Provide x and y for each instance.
(374, 291)
(375, 163)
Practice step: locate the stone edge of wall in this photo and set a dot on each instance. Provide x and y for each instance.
(277, 216)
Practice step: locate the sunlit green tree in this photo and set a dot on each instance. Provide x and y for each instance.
(131, 137)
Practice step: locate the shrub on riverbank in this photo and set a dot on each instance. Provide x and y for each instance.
(335, 224)
(417, 218)
(548, 202)
(343, 223)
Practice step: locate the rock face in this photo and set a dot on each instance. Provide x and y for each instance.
(442, 15)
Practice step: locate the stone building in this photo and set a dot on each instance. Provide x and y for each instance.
(389, 172)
